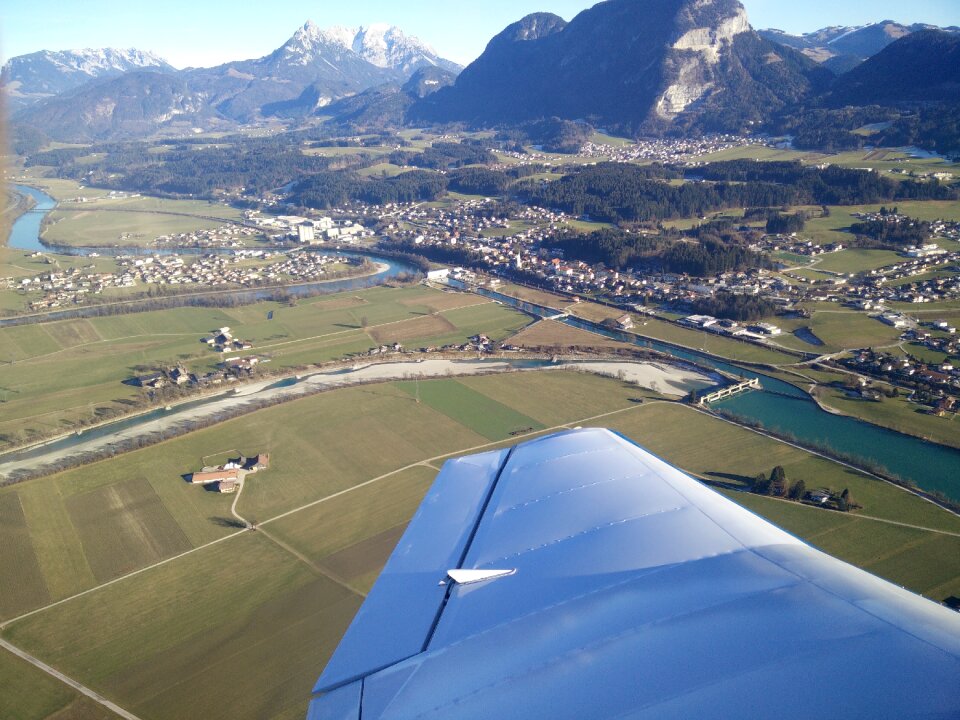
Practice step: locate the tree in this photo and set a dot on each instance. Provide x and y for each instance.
(761, 484)
(798, 490)
(843, 504)
(778, 481)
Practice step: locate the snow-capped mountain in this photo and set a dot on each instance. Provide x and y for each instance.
(28, 78)
(385, 46)
(842, 48)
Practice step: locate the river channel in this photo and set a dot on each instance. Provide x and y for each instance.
(787, 410)
(25, 235)
(780, 406)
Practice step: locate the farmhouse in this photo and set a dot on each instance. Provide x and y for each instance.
(215, 476)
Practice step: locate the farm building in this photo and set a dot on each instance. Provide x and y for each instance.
(212, 476)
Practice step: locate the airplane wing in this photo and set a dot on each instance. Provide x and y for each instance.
(579, 576)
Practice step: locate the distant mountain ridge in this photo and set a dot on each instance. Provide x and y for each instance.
(841, 48)
(333, 63)
(28, 78)
(920, 68)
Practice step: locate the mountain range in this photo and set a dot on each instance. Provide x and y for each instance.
(841, 48)
(332, 63)
(29, 78)
(635, 66)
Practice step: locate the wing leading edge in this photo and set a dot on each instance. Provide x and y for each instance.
(634, 591)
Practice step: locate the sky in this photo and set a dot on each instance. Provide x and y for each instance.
(202, 33)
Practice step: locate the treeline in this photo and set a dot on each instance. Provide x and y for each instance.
(332, 189)
(445, 156)
(785, 223)
(484, 181)
(831, 185)
(935, 128)
(186, 170)
(742, 308)
(615, 192)
(893, 235)
(612, 248)
(620, 250)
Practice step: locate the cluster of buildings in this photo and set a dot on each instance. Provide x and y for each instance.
(307, 231)
(225, 236)
(939, 381)
(230, 370)
(228, 478)
(881, 285)
(243, 268)
(666, 150)
(61, 288)
(222, 341)
(795, 246)
(756, 331)
(467, 221)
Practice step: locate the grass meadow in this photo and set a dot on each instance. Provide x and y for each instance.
(55, 375)
(241, 627)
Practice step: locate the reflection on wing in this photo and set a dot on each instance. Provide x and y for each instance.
(632, 591)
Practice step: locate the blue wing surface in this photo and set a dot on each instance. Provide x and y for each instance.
(636, 592)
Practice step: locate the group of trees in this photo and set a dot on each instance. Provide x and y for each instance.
(894, 235)
(621, 249)
(742, 308)
(785, 223)
(331, 189)
(445, 156)
(776, 485)
(831, 185)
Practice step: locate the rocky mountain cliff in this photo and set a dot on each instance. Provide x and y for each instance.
(29, 78)
(633, 64)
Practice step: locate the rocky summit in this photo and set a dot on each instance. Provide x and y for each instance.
(633, 64)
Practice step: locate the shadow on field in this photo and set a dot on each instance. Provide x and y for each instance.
(227, 522)
(739, 482)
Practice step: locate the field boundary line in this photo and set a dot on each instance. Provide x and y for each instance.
(424, 463)
(92, 694)
(115, 580)
(316, 567)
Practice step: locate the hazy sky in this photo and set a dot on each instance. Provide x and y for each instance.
(209, 32)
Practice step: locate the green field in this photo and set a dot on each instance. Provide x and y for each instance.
(896, 413)
(30, 694)
(838, 329)
(100, 227)
(855, 260)
(240, 628)
(472, 409)
(235, 630)
(56, 375)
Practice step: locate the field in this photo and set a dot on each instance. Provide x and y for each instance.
(549, 333)
(132, 222)
(57, 375)
(29, 693)
(896, 413)
(837, 329)
(241, 624)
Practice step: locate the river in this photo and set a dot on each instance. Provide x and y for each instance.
(788, 410)
(102, 438)
(25, 235)
(780, 406)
